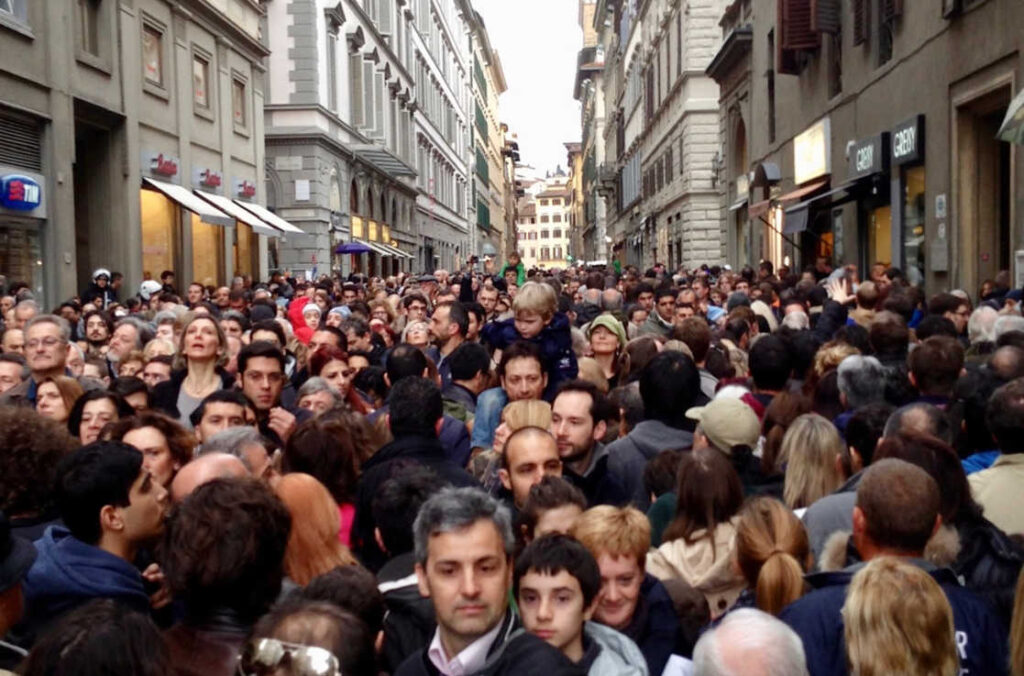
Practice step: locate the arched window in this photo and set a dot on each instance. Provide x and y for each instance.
(353, 198)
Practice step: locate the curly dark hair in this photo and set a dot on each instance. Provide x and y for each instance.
(332, 448)
(179, 440)
(31, 446)
(224, 548)
(100, 637)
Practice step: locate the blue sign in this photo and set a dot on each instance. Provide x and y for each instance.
(20, 193)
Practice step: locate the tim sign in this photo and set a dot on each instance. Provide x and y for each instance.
(20, 193)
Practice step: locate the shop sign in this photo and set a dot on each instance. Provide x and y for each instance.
(20, 193)
(245, 189)
(206, 178)
(812, 152)
(160, 164)
(869, 156)
(908, 141)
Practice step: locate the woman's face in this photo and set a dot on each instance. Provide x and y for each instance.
(95, 415)
(379, 313)
(603, 341)
(312, 320)
(156, 453)
(129, 368)
(357, 363)
(321, 302)
(201, 341)
(338, 375)
(418, 337)
(50, 404)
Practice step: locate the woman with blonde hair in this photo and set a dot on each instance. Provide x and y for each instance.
(809, 452)
(202, 353)
(773, 553)
(898, 622)
(314, 547)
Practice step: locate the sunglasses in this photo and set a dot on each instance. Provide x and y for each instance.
(265, 655)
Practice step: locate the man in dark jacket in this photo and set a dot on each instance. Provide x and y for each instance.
(470, 367)
(896, 514)
(415, 418)
(578, 420)
(669, 386)
(111, 506)
(463, 547)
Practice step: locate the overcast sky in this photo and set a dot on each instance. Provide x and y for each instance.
(537, 41)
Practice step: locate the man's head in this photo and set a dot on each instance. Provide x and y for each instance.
(46, 344)
(665, 304)
(669, 385)
(521, 372)
(24, 312)
(861, 381)
(219, 411)
(224, 549)
(935, 365)
(579, 417)
(897, 509)
(195, 294)
(450, 322)
(863, 431)
(415, 408)
(327, 335)
(157, 370)
(487, 297)
(98, 327)
(618, 538)
(107, 499)
(127, 336)
(470, 366)
(12, 371)
(396, 504)
(358, 334)
(953, 308)
(261, 374)
(749, 642)
(13, 342)
(531, 453)
(204, 469)
(696, 333)
(248, 445)
(463, 548)
(415, 307)
(1004, 416)
(556, 581)
(771, 364)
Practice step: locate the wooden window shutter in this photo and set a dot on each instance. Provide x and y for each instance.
(825, 16)
(795, 25)
(861, 21)
(891, 9)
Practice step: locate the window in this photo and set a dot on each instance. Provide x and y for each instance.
(238, 106)
(556, 233)
(543, 203)
(6, 7)
(533, 252)
(544, 234)
(770, 74)
(557, 218)
(200, 82)
(544, 219)
(332, 68)
(152, 54)
(89, 26)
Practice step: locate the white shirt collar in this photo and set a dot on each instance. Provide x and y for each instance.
(469, 661)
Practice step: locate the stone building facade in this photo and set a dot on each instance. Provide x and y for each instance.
(111, 115)
(868, 135)
(660, 130)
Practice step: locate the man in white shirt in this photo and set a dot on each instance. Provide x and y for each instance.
(463, 548)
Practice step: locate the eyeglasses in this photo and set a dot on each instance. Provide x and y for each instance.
(49, 341)
(264, 655)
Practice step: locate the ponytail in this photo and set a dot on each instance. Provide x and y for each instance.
(779, 582)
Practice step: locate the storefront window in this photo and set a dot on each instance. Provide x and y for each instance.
(913, 224)
(357, 227)
(245, 250)
(207, 252)
(880, 236)
(20, 253)
(159, 233)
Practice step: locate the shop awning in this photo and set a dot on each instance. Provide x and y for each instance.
(403, 254)
(230, 208)
(352, 248)
(270, 217)
(762, 207)
(848, 187)
(379, 249)
(392, 251)
(206, 212)
(795, 220)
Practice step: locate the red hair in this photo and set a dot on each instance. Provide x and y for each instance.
(324, 355)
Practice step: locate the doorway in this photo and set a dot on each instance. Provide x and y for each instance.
(984, 183)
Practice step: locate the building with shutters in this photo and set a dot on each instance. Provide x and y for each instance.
(660, 131)
(589, 90)
(864, 131)
(543, 229)
(121, 125)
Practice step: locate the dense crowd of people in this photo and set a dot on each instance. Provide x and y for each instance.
(583, 471)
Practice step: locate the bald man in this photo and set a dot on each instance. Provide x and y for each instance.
(203, 469)
(531, 453)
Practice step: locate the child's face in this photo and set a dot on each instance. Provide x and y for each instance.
(529, 323)
(639, 317)
(511, 276)
(552, 609)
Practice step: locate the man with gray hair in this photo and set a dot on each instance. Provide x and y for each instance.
(749, 642)
(463, 547)
(861, 381)
(23, 313)
(46, 351)
(246, 444)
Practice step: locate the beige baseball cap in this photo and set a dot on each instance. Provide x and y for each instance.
(727, 422)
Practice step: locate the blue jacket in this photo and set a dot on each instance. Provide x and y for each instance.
(980, 636)
(69, 572)
(554, 341)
